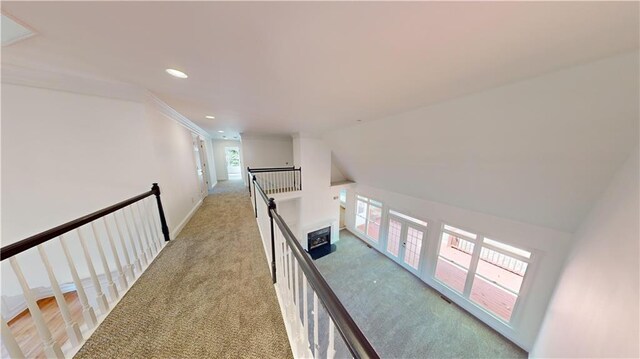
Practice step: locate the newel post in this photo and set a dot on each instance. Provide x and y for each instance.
(163, 221)
(249, 179)
(272, 208)
(255, 201)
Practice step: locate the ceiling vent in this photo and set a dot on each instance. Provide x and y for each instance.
(13, 31)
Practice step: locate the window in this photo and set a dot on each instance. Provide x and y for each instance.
(368, 217)
(498, 277)
(408, 218)
(454, 257)
(343, 197)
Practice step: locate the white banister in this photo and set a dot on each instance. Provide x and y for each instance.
(331, 350)
(72, 328)
(10, 342)
(136, 256)
(127, 259)
(316, 309)
(153, 249)
(154, 223)
(150, 248)
(305, 310)
(103, 304)
(111, 287)
(88, 313)
(121, 275)
(143, 254)
(51, 348)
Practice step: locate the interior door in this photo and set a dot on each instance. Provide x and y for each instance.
(404, 242)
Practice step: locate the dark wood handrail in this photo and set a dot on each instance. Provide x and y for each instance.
(356, 341)
(272, 169)
(12, 249)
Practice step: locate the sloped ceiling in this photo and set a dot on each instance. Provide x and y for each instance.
(288, 67)
(539, 151)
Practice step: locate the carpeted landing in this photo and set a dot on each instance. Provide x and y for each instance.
(207, 295)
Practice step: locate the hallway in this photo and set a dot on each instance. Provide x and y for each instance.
(208, 293)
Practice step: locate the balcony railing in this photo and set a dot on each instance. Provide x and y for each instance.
(301, 289)
(276, 180)
(146, 234)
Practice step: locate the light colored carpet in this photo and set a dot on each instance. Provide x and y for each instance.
(207, 295)
(402, 316)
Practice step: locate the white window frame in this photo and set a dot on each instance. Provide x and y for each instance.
(407, 221)
(473, 265)
(368, 203)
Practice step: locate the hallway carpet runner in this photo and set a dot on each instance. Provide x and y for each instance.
(207, 295)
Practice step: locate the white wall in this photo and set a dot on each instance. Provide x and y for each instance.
(65, 155)
(538, 151)
(317, 206)
(267, 151)
(549, 246)
(220, 157)
(594, 310)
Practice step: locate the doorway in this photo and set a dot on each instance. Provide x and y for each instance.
(404, 240)
(232, 157)
(201, 164)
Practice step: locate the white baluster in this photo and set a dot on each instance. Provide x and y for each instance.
(279, 175)
(10, 342)
(298, 322)
(128, 266)
(305, 310)
(316, 309)
(121, 275)
(143, 253)
(150, 245)
(331, 349)
(51, 348)
(111, 287)
(87, 311)
(72, 328)
(136, 256)
(154, 224)
(145, 226)
(103, 304)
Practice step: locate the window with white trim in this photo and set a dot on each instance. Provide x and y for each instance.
(454, 257)
(368, 217)
(343, 197)
(497, 275)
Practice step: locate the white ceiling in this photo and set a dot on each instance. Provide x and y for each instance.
(540, 151)
(314, 67)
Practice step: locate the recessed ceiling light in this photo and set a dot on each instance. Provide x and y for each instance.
(221, 131)
(209, 117)
(177, 73)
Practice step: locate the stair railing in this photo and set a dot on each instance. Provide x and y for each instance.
(131, 252)
(276, 179)
(294, 274)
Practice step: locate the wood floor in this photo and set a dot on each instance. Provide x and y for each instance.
(25, 331)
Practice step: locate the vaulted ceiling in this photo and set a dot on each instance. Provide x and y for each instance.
(430, 99)
(286, 67)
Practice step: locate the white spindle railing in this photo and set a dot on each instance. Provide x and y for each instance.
(126, 271)
(292, 288)
(72, 328)
(279, 180)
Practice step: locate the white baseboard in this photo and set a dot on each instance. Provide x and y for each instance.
(177, 230)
